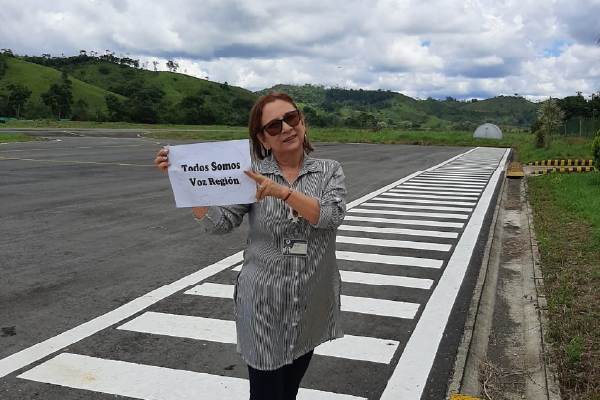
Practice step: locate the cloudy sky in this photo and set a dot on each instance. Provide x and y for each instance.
(421, 48)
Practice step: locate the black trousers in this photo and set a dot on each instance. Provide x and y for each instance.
(279, 384)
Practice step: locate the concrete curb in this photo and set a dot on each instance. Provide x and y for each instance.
(562, 163)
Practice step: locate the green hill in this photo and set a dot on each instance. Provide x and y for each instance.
(38, 79)
(114, 89)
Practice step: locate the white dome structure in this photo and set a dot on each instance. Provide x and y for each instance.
(488, 131)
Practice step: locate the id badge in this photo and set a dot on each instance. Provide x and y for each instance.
(294, 247)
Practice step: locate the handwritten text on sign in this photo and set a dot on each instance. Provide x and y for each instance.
(211, 174)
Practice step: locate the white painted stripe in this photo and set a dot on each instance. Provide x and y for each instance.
(149, 382)
(396, 231)
(212, 290)
(399, 244)
(417, 207)
(369, 196)
(447, 182)
(471, 186)
(410, 375)
(392, 198)
(360, 348)
(410, 213)
(458, 174)
(349, 303)
(379, 279)
(440, 189)
(385, 280)
(183, 326)
(54, 344)
(224, 331)
(452, 178)
(386, 308)
(403, 189)
(390, 260)
(415, 222)
(428, 196)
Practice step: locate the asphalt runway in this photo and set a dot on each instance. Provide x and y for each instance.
(89, 224)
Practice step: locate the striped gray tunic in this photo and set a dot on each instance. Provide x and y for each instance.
(285, 306)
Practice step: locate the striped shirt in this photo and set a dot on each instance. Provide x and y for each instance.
(285, 306)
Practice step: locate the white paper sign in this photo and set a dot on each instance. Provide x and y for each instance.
(211, 174)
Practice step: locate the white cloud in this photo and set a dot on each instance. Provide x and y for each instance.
(438, 48)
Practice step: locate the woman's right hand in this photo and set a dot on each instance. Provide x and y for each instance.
(162, 160)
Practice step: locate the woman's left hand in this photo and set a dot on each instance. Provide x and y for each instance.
(267, 187)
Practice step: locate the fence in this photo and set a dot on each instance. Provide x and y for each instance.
(585, 127)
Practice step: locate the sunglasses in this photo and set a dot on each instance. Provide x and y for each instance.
(275, 127)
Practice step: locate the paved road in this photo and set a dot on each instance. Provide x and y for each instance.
(107, 289)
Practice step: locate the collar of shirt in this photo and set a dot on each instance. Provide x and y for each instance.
(269, 166)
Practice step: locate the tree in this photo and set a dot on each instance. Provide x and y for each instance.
(59, 98)
(17, 97)
(114, 107)
(550, 117)
(172, 66)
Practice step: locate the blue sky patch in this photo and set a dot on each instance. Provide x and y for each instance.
(557, 48)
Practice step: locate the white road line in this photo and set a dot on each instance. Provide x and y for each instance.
(417, 207)
(410, 213)
(380, 259)
(444, 193)
(385, 280)
(426, 196)
(391, 260)
(148, 382)
(364, 305)
(420, 186)
(416, 222)
(38, 351)
(448, 182)
(224, 331)
(378, 279)
(410, 375)
(396, 231)
(393, 199)
(449, 185)
(399, 244)
(451, 178)
(386, 308)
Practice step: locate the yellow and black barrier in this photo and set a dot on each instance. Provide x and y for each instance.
(571, 169)
(562, 163)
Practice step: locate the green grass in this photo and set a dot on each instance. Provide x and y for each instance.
(567, 223)
(18, 137)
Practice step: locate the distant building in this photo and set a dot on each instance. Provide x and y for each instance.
(488, 131)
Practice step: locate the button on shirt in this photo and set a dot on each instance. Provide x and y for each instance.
(285, 306)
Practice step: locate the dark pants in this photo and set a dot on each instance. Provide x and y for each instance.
(279, 384)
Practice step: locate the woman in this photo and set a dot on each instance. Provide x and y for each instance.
(287, 297)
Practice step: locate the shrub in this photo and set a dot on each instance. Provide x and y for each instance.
(596, 150)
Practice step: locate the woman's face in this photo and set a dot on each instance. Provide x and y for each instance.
(290, 139)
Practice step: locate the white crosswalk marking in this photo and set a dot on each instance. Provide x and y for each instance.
(398, 221)
(363, 305)
(395, 231)
(223, 331)
(148, 381)
(392, 260)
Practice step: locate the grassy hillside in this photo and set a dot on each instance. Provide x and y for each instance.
(120, 78)
(145, 96)
(38, 79)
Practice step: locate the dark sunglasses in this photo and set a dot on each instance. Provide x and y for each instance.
(275, 127)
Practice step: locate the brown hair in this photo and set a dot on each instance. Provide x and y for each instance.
(255, 122)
